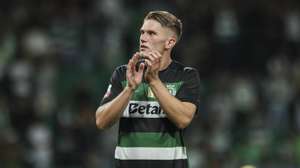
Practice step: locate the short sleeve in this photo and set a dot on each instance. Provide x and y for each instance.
(114, 87)
(190, 89)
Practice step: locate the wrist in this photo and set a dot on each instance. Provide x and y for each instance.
(129, 90)
(152, 79)
(154, 82)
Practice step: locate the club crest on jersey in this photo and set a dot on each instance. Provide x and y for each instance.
(172, 89)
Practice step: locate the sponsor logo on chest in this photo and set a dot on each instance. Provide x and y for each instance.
(143, 109)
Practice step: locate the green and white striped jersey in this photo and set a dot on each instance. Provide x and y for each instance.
(147, 138)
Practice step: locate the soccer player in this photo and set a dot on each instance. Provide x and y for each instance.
(154, 97)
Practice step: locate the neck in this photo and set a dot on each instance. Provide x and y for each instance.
(165, 61)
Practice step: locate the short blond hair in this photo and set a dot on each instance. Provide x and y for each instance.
(166, 19)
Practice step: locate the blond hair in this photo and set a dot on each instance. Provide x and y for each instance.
(168, 20)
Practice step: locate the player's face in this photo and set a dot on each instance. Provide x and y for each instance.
(153, 36)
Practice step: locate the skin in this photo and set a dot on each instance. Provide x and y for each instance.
(156, 43)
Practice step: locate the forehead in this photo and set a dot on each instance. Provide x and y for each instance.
(152, 25)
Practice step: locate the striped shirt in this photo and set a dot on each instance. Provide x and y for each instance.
(147, 138)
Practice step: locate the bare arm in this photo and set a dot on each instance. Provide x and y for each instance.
(109, 113)
(180, 113)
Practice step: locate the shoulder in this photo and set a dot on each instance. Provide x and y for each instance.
(185, 69)
(188, 75)
(121, 68)
(119, 72)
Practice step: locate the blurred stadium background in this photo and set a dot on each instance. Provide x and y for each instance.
(56, 57)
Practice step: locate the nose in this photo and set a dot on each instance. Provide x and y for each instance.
(143, 38)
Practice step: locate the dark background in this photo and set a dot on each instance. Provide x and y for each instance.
(56, 57)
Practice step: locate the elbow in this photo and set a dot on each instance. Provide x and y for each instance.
(100, 124)
(186, 119)
(183, 123)
(100, 121)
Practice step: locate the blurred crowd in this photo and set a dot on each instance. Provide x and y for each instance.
(56, 58)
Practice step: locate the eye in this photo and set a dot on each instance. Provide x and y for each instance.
(151, 33)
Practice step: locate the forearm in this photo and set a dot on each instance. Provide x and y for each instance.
(109, 113)
(180, 113)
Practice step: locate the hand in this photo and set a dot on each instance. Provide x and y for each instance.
(153, 61)
(134, 77)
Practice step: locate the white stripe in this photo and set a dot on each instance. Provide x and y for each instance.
(143, 109)
(149, 153)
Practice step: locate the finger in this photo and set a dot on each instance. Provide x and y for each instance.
(153, 59)
(130, 74)
(135, 57)
(131, 67)
(157, 53)
(142, 67)
(128, 71)
(148, 62)
(157, 56)
(149, 57)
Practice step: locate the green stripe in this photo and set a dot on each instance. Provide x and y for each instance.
(143, 92)
(142, 139)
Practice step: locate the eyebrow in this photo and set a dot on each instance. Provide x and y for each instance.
(149, 31)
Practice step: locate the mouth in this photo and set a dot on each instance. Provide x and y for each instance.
(143, 47)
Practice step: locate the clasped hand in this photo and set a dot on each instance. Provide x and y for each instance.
(135, 76)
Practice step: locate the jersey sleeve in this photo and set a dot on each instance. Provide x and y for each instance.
(115, 86)
(190, 89)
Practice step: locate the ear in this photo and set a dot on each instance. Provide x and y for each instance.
(170, 42)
